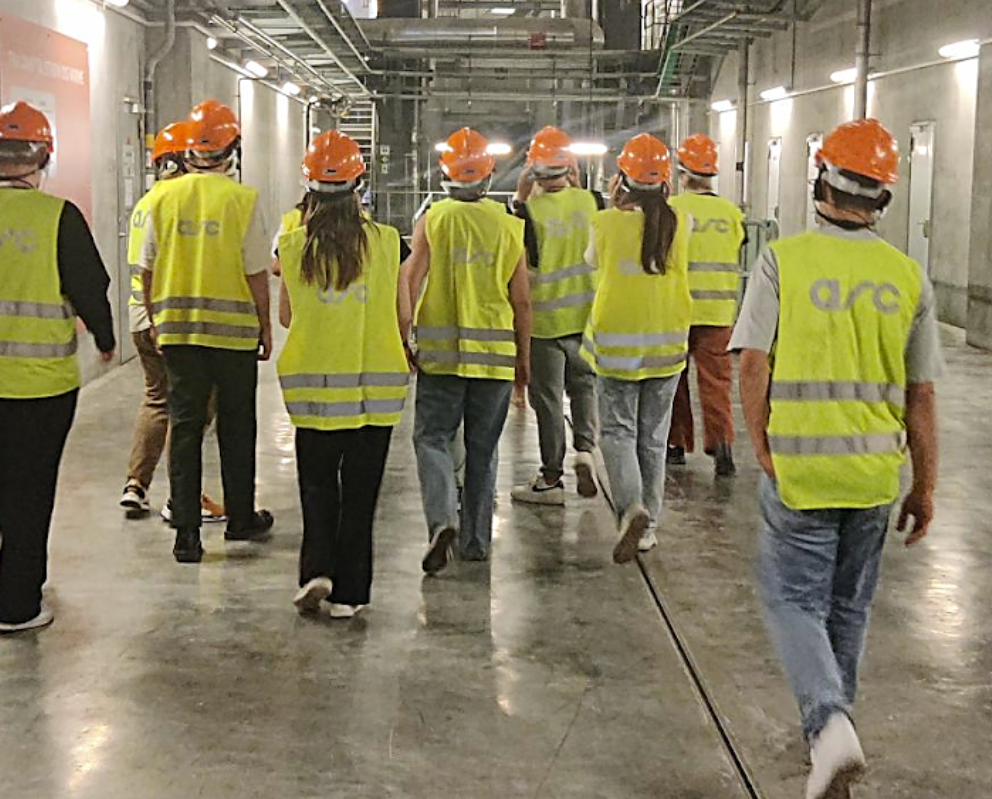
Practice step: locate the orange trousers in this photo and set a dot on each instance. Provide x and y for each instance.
(714, 371)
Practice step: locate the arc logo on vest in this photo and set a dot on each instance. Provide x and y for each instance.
(197, 227)
(139, 219)
(827, 295)
(334, 297)
(460, 256)
(562, 228)
(24, 240)
(722, 226)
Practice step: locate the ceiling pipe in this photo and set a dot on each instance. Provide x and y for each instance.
(151, 67)
(862, 57)
(455, 32)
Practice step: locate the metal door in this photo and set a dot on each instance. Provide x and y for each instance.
(773, 195)
(921, 191)
(129, 190)
(813, 144)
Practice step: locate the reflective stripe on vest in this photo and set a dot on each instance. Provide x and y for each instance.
(200, 292)
(360, 376)
(37, 323)
(836, 428)
(714, 256)
(465, 323)
(639, 325)
(562, 285)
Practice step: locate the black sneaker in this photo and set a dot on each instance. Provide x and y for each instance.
(436, 558)
(187, 548)
(256, 530)
(724, 458)
(676, 456)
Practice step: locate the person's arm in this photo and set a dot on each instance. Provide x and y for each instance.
(147, 258)
(530, 238)
(921, 429)
(259, 285)
(520, 300)
(525, 185)
(285, 309)
(755, 381)
(256, 255)
(412, 275)
(84, 279)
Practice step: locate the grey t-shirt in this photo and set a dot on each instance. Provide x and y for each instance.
(757, 326)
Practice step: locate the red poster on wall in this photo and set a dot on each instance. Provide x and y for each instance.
(52, 72)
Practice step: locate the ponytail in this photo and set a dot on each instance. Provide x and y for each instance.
(660, 225)
(336, 243)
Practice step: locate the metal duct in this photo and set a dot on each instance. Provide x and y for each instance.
(457, 32)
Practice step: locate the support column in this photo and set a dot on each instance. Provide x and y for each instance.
(862, 59)
(979, 326)
(743, 98)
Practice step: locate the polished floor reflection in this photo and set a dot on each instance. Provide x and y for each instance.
(547, 673)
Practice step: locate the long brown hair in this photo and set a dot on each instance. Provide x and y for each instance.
(337, 241)
(660, 225)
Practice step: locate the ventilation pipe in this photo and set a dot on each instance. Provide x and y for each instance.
(862, 59)
(460, 32)
(151, 122)
(743, 74)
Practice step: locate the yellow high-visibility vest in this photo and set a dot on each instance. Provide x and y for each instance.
(563, 286)
(714, 257)
(200, 292)
(343, 366)
(37, 323)
(465, 320)
(837, 429)
(639, 326)
(136, 235)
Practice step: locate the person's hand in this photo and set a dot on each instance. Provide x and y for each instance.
(522, 375)
(614, 188)
(265, 344)
(764, 457)
(519, 397)
(411, 358)
(107, 357)
(573, 176)
(918, 505)
(525, 184)
(153, 337)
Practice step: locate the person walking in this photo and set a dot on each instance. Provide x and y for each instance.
(206, 289)
(637, 336)
(343, 370)
(852, 324)
(50, 273)
(714, 278)
(473, 339)
(151, 427)
(557, 214)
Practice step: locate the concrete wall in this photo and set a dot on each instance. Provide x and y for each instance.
(928, 89)
(980, 274)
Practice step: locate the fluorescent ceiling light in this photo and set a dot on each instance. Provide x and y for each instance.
(119, 3)
(256, 69)
(844, 75)
(588, 148)
(290, 88)
(211, 43)
(777, 93)
(442, 147)
(721, 106)
(313, 99)
(502, 11)
(499, 148)
(969, 48)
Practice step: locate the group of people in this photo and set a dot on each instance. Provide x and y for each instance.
(555, 295)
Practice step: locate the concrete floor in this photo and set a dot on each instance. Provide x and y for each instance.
(547, 673)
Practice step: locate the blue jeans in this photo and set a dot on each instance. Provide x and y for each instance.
(443, 403)
(634, 420)
(819, 571)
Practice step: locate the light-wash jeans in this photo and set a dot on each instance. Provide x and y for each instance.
(556, 368)
(819, 571)
(634, 420)
(443, 403)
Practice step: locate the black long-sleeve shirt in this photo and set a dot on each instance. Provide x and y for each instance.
(83, 276)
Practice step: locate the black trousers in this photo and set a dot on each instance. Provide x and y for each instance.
(193, 373)
(340, 473)
(32, 437)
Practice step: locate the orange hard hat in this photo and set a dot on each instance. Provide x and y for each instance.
(21, 121)
(645, 161)
(466, 157)
(698, 154)
(864, 147)
(550, 149)
(333, 157)
(213, 127)
(172, 139)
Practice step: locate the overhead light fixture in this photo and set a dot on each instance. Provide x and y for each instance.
(290, 88)
(969, 48)
(722, 106)
(119, 3)
(442, 147)
(502, 11)
(313, 99)
(588, 148)
(499, 148)
(211, 43)
(844, 75)
(256, 69)
(776, 93)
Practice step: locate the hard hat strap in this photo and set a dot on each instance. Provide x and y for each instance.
(834, 176)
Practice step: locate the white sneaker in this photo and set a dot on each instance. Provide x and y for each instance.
(134, 500)
(648, 541)
(43, 619)
(837, 759)
(632, 527)
(309, 597)
(585, 475)
(539, 493)
(344, 611)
